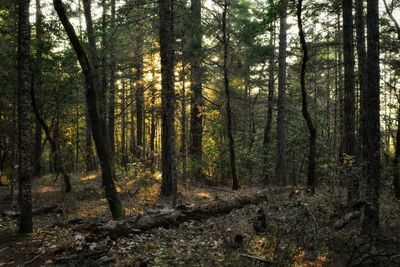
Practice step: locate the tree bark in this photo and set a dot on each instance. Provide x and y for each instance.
(54, 142)
(111, 97)
(196, 83)
(183, 123)
(139, 93)
(38, 86)
(371, 144)
(99, 125)
(225, 40)
(167, 54)
(306, 114)
(281, 157)
(270, 103)
(24, 117)
(349, 140)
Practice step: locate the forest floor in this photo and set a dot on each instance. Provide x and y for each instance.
(298, 232)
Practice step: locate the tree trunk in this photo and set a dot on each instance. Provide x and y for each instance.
(99, 126)
(270, 103)
(225, 40)
(24, 118)
(54, 142)
(38, 86)
(167, 54)
(183, 123)
(349, 140)
(281, 157)
(371, 144)
(132, 140)
(139, 92)
(396, 160)
(311, 128)
(111, 97)
(196, 83)
(124, 159)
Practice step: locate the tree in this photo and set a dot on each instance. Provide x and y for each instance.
(225, 41)
(98, 123)
(370, 113)
(25, 167)
(167, 54)
(38, 84)
(281, 157)
(349, 140)
(306, 114)
(196, 80)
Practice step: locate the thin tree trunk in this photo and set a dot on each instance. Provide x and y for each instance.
(139, 93)
(371, 144)
(99, 126)
(281, 157)
(311, 128)
(167, 54)
(24, 117)
(225, 40)
(38, 87)
(124, 160)
(132, 146)
(183, 123)
(196, 82)
(270, 102)
(111, 97)
(54, 142)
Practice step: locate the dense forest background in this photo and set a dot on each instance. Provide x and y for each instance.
(232, 96)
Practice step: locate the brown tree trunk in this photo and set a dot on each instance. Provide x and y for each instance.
(281, 157)
(183, 123)
(167, 54)
(54, 142)
(371, 143)
(24, 113)
(111, 97)
(139, 93)
(349, 140)
(99, 126)
(196, 83)
(311, 128)
(38, 86)
(225, 40)
(270, 103)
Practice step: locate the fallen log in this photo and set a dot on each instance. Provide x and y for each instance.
(169, 217)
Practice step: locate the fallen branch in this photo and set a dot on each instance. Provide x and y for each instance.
(44, 210)
(343, 221)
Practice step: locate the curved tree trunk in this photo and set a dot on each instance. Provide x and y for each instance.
(311, 128)
(99, 126)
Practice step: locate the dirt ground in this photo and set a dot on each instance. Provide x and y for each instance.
(298, 229)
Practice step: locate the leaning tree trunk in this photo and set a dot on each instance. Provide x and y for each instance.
(349, 140)
(55, 144)
(225, 40)
(111, 97)
(306, 114)
(24, 114)
(281, 157)
(167, 54)
(98, 124)
(371, 144)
